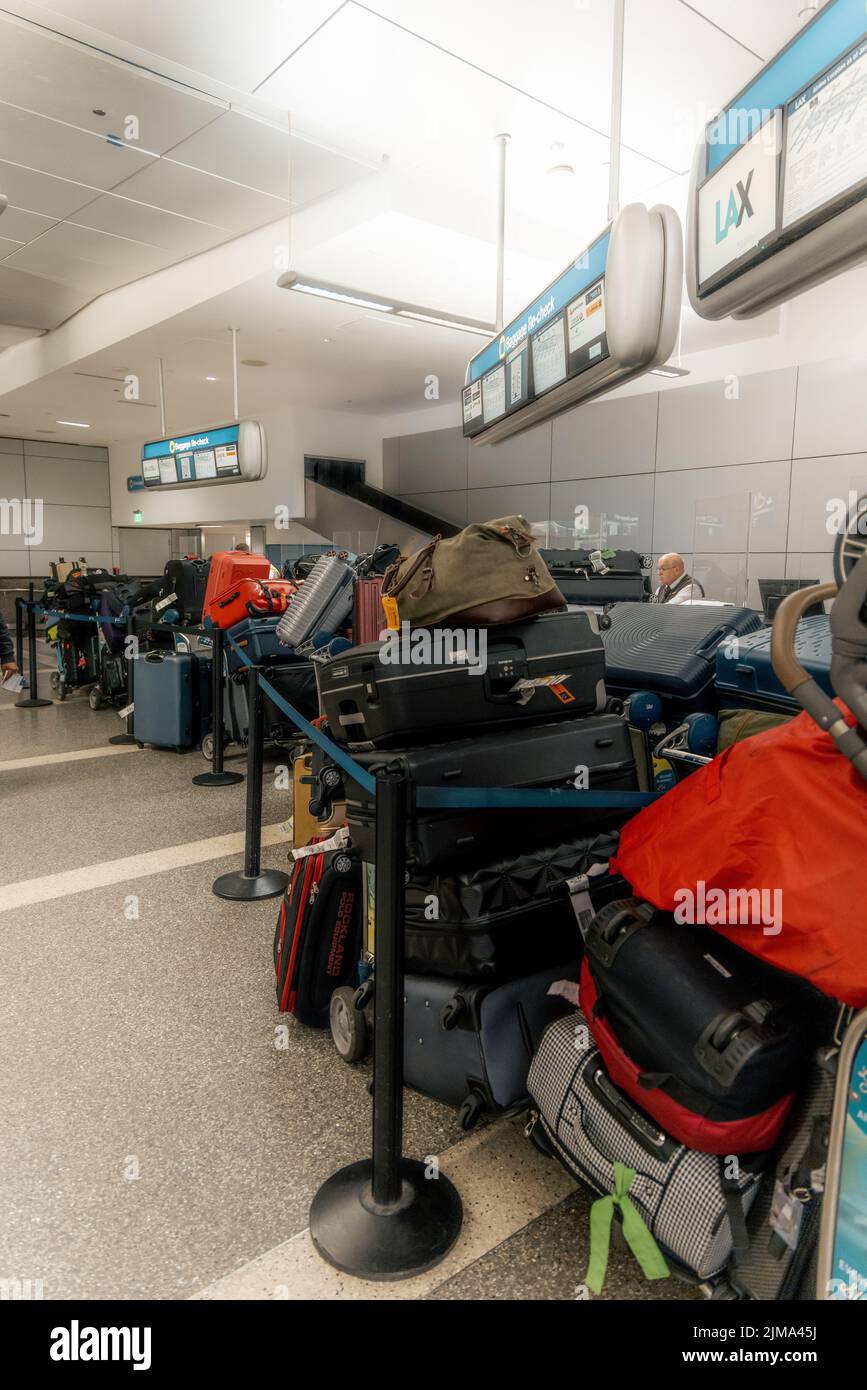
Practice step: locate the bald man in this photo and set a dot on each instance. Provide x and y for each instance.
(675, 585)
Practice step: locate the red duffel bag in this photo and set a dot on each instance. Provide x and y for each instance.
(767, 844)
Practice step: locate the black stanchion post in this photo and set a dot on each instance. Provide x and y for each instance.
(254, 883)
(32, 701)
(217, 777)
(387, 1217)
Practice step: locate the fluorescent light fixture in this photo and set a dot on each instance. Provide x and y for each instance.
(210, 378)
(73, 424)
(669, 371)
(306, 284)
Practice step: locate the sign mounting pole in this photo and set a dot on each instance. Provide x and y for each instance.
(162, 383)
(234, 333)
(616, 109)
(502, 143)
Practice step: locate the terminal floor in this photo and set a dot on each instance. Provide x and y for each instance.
(162, 1127)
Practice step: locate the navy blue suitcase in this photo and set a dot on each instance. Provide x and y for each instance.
(257, 638)
(471, 1045)
(671, 650)
(745, 675)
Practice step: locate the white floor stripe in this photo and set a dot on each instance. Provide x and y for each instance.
(504, 1185)
(79, 755)
(158, 861)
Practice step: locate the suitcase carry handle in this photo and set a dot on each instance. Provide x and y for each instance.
(643, 1130)
(230, 598)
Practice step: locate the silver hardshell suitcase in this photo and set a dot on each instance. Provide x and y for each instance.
(322, 604)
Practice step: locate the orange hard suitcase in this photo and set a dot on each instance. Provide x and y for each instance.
(228, 567)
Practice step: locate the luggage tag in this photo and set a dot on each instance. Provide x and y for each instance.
(165, 602)
(527, 688)
(339, 840)
(579, 896)
(787, 1214)
(392, 617)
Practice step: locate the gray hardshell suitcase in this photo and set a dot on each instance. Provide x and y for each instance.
(165, 712)
(322, 604)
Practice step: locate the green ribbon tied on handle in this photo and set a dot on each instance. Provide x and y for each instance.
(635, 1231)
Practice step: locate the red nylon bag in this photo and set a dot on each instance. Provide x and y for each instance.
(781, 811)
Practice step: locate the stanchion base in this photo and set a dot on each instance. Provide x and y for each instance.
(217, 779)
(270, 883)
(392, 1243)
(32, 704)
(118, 739)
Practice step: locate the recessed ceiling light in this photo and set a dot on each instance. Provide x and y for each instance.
(253, 362)
(73, 424)
(326, 340)
(98, 111)
(210, 378)
(670, 371)
(40, 431)
(561, 171)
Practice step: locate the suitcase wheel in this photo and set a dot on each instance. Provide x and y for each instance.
(471, 1110)
(94, 698)
(348, 1025)
(208, 747)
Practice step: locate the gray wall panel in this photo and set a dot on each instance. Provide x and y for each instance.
(609, 438)
(820, 488)
(700, 427)
(832, 409)
(622, 506)
(532, 501)
(524, 459)
(77, 482)
(685, 496)
(433, 462)
(451, 505)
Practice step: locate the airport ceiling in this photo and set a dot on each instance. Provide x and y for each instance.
(418, 89)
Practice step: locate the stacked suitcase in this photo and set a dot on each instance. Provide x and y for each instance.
(490, 924)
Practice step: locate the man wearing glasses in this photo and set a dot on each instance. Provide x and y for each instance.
(675, 585)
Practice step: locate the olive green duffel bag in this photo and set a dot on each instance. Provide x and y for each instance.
(490, 573)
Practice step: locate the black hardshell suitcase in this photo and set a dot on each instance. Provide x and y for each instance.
(578, 582)
(548, 755)
(505, 919)
(671, 650)
(187, 580)
(317, 941)
(471, 1045)
(542, 669)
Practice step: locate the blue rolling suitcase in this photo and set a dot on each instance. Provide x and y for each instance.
(172, 699)
(671, 651)
(745, 675)
(257, 638)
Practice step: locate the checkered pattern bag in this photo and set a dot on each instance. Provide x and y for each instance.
(683, 1195)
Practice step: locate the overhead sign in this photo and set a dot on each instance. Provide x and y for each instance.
(777, 202)
(228, 454)
(611, 315)
(135, 483)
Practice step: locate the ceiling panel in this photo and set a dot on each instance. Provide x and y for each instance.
(61, 149)
(23, 226)
(762, 25)
(44, 193)
(63, 80)
(242, 149)
(237, 43)
(7, 246)
(31, 301)
(87, 259)
(126, 218)
(177, 188)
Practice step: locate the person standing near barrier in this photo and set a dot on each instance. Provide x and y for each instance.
(8, 665)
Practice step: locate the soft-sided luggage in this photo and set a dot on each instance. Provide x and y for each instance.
(489, 573)
(251, 598)
(257, 638)
(368, 618)
(185, 582)
(112, 673)
(693, 1203)
(736, 725)
(500, 920)
(745, 674)
(323, 603)
(548, 755)
(296, 683)
(317, 942)
(111, 605)
(783, 812)
(172, 698)
(598, 578)
(228, 568)
(79, 653)
(471, 1046)
(542, 669)
(712, 1042)
(670, 650)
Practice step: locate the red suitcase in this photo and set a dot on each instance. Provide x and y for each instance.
(251, 598)
(228, 567)
(368, 619)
